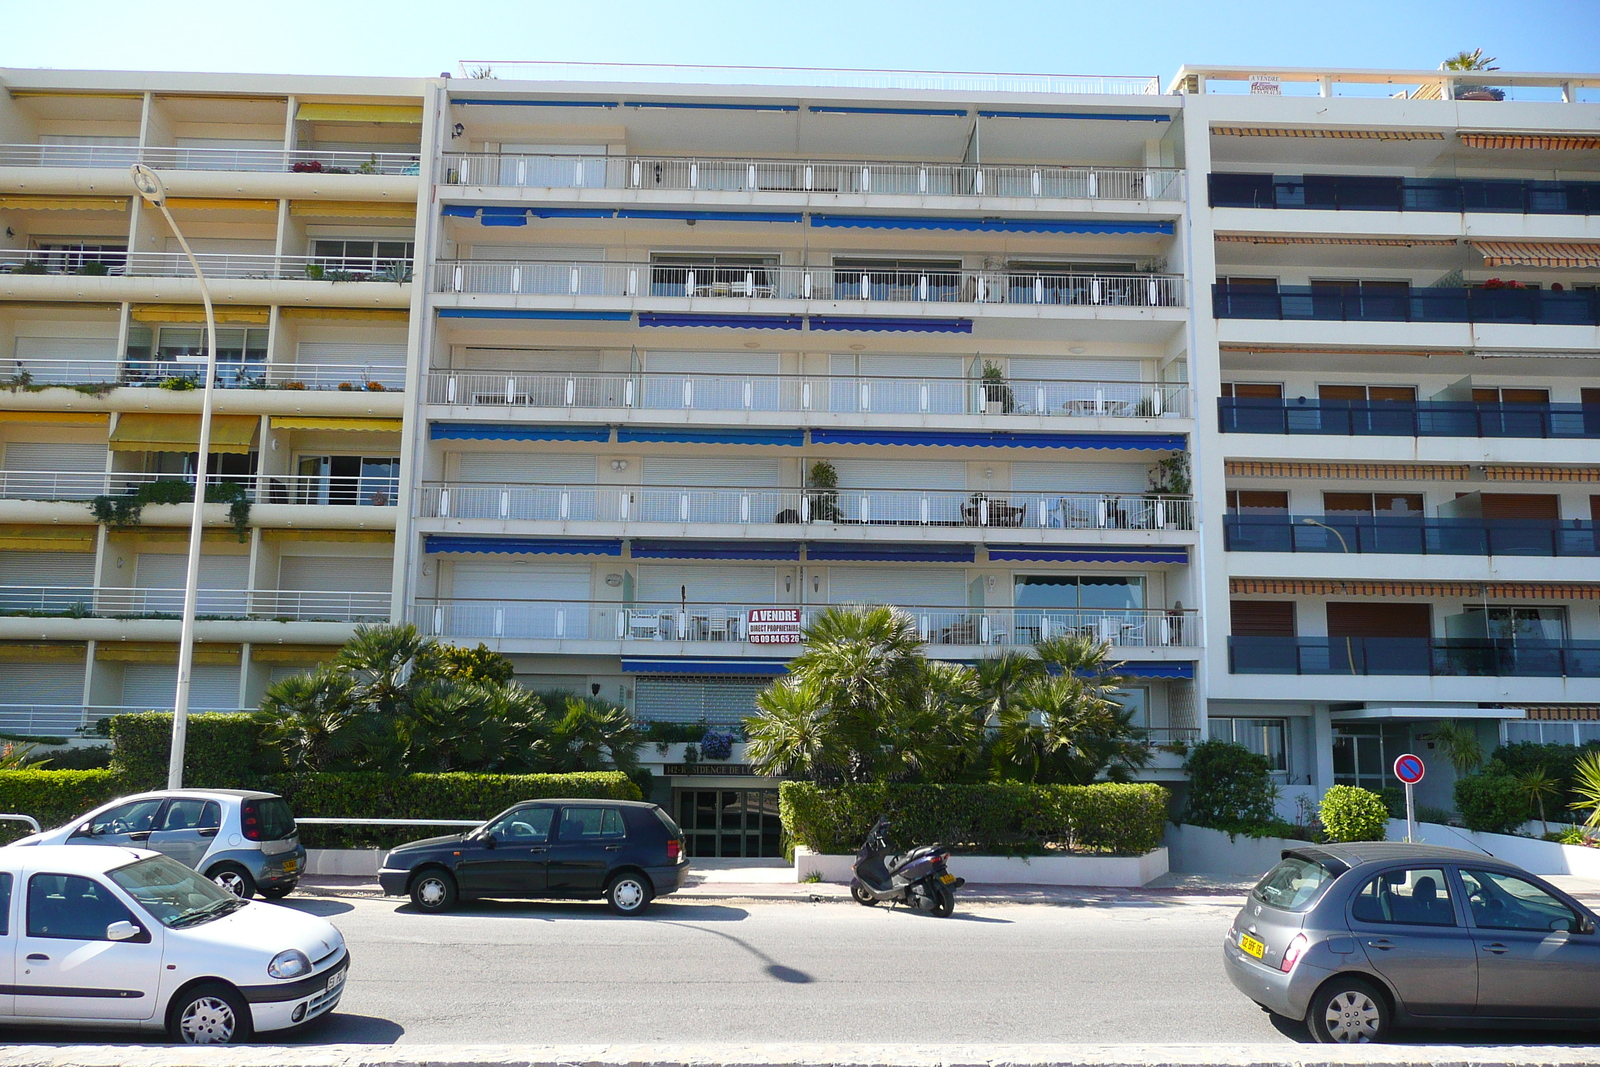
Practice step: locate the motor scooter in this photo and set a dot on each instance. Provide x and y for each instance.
(918, 878)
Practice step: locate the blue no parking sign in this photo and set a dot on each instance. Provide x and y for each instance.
(1409, 769)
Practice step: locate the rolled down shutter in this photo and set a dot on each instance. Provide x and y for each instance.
(710, 364)
(733, 586)
(901, 586)
(712, 381)
(223, 579)
(50, 684)
(152, 686)
(55, 470)
(1360, 618)
(528, 361)
(74, 348)
(719, 701)
(1262, 618)
(1074, 370)
(748, 472)
(343, 574)
(527, 468)
(361, 363)
(1545, 506)
(1080, 477)
(53, 569)
(536, 601)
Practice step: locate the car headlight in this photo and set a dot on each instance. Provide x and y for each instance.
(290, 963)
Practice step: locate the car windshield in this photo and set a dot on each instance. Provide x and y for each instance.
(1293, 884)
(174, 894)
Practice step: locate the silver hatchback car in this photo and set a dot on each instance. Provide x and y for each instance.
(1357, 939)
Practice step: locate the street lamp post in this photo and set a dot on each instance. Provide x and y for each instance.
(150, 187)
(1349, 653)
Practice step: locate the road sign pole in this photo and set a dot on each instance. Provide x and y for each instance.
(1411, 817)
(1410, 770)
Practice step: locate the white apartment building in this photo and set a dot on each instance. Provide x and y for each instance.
(628, 379)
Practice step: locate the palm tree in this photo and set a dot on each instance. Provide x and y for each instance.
(1586, 787)
(312, 720)
(928, 733)
(1458, 743)
(1000, 679)
(793, 733)
(590, 736)
(1473, 60)
(1538, 786)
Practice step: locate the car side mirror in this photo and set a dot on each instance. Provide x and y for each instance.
(122, 930)
(1585, 925)
(490, 841)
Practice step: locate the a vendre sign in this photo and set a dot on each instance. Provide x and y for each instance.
(773, 626)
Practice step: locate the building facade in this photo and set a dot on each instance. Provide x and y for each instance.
(628, 380)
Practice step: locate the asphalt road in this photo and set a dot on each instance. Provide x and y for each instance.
(835, 972)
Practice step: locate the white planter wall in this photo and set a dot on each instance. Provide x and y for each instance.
(1125, 871)
(345, 862)
(1202, 850)
(1532, 855)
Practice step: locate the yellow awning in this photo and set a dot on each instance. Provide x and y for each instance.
(293, 655)
(403, 114)
(361, 537)
(58, 418)
(1538, 253)
(354, 314)
(44, 537)
(237, 315)
(149, 652)
(176, 535)
(310, 422)
(352, 209)
(64, 203)
(219, 203)
(42, 651)
(181, 433)
(88, 94)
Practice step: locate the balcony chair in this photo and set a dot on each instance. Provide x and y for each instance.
(644, 625)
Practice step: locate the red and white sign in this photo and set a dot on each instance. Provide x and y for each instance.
(773, 626)
(1409, 769)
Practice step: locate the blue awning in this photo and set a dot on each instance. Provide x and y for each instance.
(937, 112)
(934, 222)
(819, 552)
(481, 102)
(459, 211)
(523, 313)
(668, 435)
(733, 322)
(1024, 554)
(572, 213)
(1156, 669)
(998, 439)
(703, 666)
(1108, 116)
(506, 431)
(711, 216)
(522, 546)
(880, 324)
(777, 551)
(693, 106)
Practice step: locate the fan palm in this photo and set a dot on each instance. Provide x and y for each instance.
(1538, 786)
(1459, 745)
(793, 732)
(1000, 679)
(311, 719)
(1586, 787)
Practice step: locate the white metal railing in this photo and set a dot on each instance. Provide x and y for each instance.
(231, 374)
(67, 719)
(819, 77)
(851, 507)
(781, 282)
(214, 264)
(707, 623)
(825, 393)
(318, 490)
(117, 602)
(304, 160)
(741, 175)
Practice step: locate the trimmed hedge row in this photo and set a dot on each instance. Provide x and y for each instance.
(53, 797)
(221, 751)
(999, 819)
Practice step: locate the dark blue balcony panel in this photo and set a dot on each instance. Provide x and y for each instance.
(1410, 535)
(522, 546)
(1361, 192)
(1110, 554)
(1415, 656)
(1351, 303)
(1393, 418)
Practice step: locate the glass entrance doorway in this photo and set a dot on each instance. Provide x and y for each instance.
(729, 822)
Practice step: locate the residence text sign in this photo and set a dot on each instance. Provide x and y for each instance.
(773, 626)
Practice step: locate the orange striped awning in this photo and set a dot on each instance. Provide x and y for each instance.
(1510, 473)
(1377, 242)
(1546, 142)
(1564, 712)
(1338, 135)
(1462, 590)
(1539, 253)
(1436, 472)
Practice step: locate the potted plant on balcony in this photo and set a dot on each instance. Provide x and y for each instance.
(822, 492)
(1169, 477)
(997, 396)
(1473, 60)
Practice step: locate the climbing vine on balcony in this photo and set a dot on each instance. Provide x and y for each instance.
(123, 510)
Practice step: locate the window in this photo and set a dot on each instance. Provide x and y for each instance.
(896, 279)
(1293, 884)
(588, 824)
(1253, 390)
(164, 351)
(136, 818)
(1087, 591)
(366, 480)
(1136, 701)
(1417, 897)
(1374, 503)
(1262, 618)
(1403, 394)
(5, 903)
(1500, 901)
(1257, 500)
(1510, 396)
(365, 257)
(713, 275)
(524, 824)
(173, 893)
(71, 907)
(81, 257)
(1516, 624)
(192, 815)
(1264, 737)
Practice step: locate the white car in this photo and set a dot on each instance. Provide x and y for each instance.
(129, 937)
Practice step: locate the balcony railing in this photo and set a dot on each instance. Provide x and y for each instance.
(777, 282)
(1436, 304)
(1394, 418)
(791, 392)
(67, 719)
(838, 507)
(134, 603)
(724, 623)
(231, 374)
(269, 160)
(215, 265)
(688, 174)
(1411, 535)
(1353, 192)
(1439, 657)
(369, 491)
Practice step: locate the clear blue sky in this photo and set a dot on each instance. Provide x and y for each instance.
(1147, 37)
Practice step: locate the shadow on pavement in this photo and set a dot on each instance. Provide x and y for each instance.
(334, 1028)
(775, 970)
(589, 911)
(316, 906)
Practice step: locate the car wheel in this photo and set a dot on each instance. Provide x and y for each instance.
(434, 890)
(1348, 1011)
(628, 894)
(209, 1015)
(858, 893)
(275, 892)
(235, 879)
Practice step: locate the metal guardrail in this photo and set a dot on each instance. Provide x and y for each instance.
(122, 602)
(306, 489)
(231, 374)
(215, 264)
(849, 507)
(783, 282)
(388, 822)
(29, 819)
(790, 392)
(65, 719)
(750, 175)
(266, 160)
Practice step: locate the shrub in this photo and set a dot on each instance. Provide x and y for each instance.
(88, 758)
(1573, 835)
(53, 797)
(1491, 803)
(1352, 814)
(1003, 818)
(716, 745)
(1558, 761)
(1230, 787)
(223, 751)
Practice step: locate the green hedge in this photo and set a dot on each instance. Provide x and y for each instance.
(53, 797)
(425, 796)
(222, 751)
(1002, 819)
(1491, 803)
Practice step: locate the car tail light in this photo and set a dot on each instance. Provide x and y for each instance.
(1292, 954)
(250, 820)
(674, 849)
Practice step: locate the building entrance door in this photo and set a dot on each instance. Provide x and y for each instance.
(729, 822)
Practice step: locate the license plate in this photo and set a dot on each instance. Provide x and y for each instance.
(947, 878)
(337, 980)
(1250, 945)
(290, 866)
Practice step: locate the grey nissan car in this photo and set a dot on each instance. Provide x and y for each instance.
(1357, 939)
